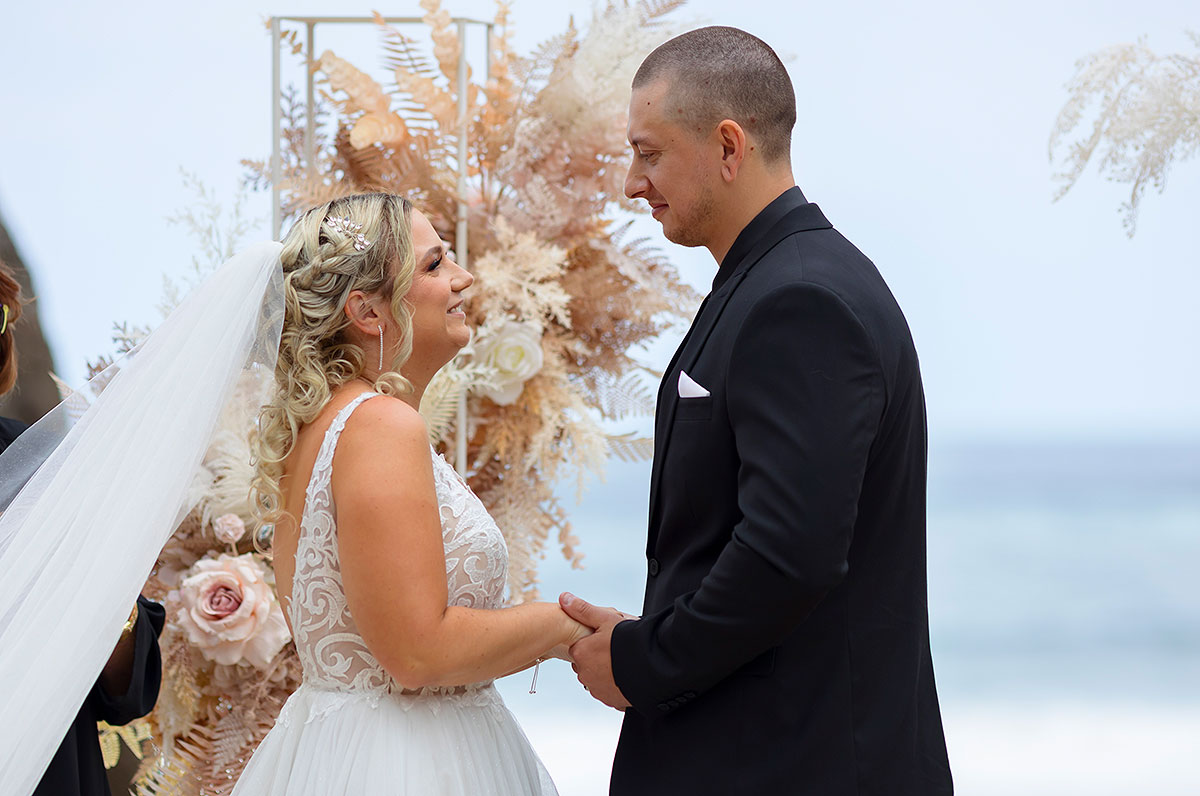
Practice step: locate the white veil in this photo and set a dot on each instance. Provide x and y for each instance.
(93, 501)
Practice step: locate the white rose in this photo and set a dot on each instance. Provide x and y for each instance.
(514, 350)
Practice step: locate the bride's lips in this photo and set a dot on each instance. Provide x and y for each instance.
(457, 311)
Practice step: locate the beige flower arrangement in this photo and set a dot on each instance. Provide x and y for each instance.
(547, 155)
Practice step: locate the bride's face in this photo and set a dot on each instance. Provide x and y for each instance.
(438, 321)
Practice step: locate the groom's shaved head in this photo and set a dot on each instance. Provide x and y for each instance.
(718, 73)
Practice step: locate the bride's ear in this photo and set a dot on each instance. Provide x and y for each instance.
(363, 311)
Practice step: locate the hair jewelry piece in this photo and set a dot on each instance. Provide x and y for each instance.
(4, 327)
(348, 227)
(381, 349)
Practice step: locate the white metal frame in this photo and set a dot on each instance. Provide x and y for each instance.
(460, 231)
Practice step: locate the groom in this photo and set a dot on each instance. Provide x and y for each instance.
(784, 647)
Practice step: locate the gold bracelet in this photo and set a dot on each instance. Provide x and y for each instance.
(130, 622)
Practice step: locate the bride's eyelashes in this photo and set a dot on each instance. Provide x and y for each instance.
(446, 252)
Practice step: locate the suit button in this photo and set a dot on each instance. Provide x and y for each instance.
(653, 567)
(664, 707)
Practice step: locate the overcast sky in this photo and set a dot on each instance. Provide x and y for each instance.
(922, 133)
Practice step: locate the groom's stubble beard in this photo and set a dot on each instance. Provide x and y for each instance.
(694, 228)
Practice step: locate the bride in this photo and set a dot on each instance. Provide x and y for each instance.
(390, 571)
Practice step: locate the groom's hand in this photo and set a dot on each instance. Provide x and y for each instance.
(592, 655)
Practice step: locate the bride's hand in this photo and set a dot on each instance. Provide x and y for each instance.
(574, 631)
(562, 652)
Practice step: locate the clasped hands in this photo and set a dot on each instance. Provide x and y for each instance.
(591, 657)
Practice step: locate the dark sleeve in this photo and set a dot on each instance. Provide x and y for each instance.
(9, 431)
(139, 698)
(805, 394)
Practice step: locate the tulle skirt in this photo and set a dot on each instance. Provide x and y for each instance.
(329, 743)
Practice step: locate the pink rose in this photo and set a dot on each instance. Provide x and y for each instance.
(221, 602)
(229, 610)
(229, 528)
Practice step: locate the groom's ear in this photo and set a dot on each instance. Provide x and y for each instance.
(733, 148)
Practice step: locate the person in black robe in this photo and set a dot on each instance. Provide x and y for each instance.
(128, 685)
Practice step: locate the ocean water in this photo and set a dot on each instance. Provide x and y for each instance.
(1064, 618)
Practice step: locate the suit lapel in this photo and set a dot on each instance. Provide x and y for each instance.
(799, 219)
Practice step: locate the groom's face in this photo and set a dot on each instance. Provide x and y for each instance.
(670, 168)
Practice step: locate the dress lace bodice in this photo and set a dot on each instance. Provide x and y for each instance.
(332, 653)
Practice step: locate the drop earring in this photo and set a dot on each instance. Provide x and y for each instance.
(381, 349)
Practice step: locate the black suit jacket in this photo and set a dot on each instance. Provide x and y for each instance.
(784, 644)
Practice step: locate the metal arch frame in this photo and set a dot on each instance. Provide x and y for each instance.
(460, 230)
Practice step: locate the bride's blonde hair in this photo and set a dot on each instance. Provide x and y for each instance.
(344, 245)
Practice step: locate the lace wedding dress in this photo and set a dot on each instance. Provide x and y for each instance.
(350, 728)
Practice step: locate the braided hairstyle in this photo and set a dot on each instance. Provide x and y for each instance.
(10, 297)
(321, 266)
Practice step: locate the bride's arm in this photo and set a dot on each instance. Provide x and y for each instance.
(562, 652)
(394, 570)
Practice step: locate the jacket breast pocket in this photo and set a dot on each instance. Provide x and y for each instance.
(694, 408)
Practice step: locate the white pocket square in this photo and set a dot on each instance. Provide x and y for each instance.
(688, 388)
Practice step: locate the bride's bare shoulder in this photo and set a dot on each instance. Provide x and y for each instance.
(382, 459)
(388, 422)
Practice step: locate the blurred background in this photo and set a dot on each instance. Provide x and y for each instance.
(1059, 354)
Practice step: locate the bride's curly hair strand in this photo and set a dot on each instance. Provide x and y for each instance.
(322, 264)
